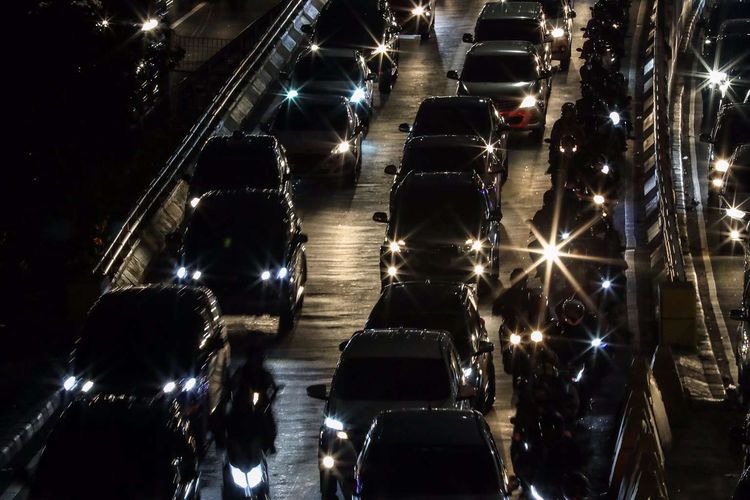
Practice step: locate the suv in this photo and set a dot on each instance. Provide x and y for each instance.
(514, 75)
(442, 226)
(731, 129)
(156, 342)
(380, 370)
(560, 15)
(248, 246)
(338, 72)
(431, 454)
(368, 26)
(415, 17)
(444, 306)
(240, 161)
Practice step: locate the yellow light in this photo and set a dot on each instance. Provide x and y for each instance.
(476, 245)
(717, 182)
(418, 11)
(149, 24)
(392, 271)
(558, 33)
(342, 147)
(536, 336)
(328, 462)
(599, 199)
(551, 253)
(515, 339)
(735, 213)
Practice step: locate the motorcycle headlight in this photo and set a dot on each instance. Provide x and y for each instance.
(599, 199)
(735, 213)
(342, 148)
(558, 33)
(265, 275)
(250, 479)
(418, 10)
(181, 272)
(528, 102)
(614, 116)
(721, 165)
(358, 95)
(716, 77)
(515, 339)
(605, 169)
(291, 93)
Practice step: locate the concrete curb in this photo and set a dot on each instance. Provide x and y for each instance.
(10, 449)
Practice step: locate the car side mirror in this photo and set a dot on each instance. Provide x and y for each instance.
(738, 315)
(704, 137)
(301, 238)
(452, 74)
(317, 391)
(390, 170)
(468, 38)
(404, 127)
(371, 77)
(485, 347)
(380, 217)
(342, 345)
(306, 28)
(466, 392)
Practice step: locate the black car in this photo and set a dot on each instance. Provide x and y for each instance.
(456, 153)
(431, 453)
(416, 17)
(459, 115)
(247, 246)
(729, 76)
(742, 346)
(322, 136)
(337, 72)
(443, 306)
(164, 343)
(368, 26)
(240, 161)
(442, 226)
(715, 16)
(734, 197)
(731, 129)
(115, 447)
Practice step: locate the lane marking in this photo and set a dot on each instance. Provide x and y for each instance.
(187, 16)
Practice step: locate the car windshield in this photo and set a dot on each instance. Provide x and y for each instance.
(390, 315)
(433, 470)
(351, 23)
(305, 116)
(730, 133)
(392, 379)
(327, 69)
(232, 167)
(439, 213)
(444, 159)
(133, 344)
(461, 119)
(508, 29)
(501, 69)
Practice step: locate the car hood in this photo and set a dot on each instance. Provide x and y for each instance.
(313, 142)
(327, 87)
(495, 90)
(359, 414)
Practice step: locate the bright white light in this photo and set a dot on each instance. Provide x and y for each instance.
(558, 33)
(315, 47)
(716, 77)
(69, 383)
(169, 387)
(149, 24)
(189, 384)
(467, 372)
(707, 41)
(535, 495)
(597, 342)
(342, 435)
(239, 477)
(479, 269)
(717, 182)
(418, 10)
(283, 272)
(735, 213)
(334, 424)
(722, 165)
(342, 147)
(489, 148)
(565, 235)
(291, 94)
(265, 275)
(536, 336)
(358, 95)
(381, 49)
(392, 271)
(599, 199)
(197, 275)
(615, 117)
(328, 462)
(87, 386)
(606, 284)
(551, 253)
(194, 202)
(181, 272)
(515, 339)
(476, 245)
(255, 476)
(528, 102)
(394, 247)
(734, 235)
(605, 169)
(579, 375)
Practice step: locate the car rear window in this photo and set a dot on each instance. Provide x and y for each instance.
(444, 159)
(305, 116)
(509, 29)
(321, 68)
(392, 379)
(499, 69)
(459, 119)
(229, 167)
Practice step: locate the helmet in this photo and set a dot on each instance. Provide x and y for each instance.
(568, 110)
(573, 311)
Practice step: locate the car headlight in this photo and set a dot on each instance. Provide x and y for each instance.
(597, 343)
(342, 148)
(250, 479)
(197, 275)
(718, 182)
(282, 273)
(479, 269)
(87, 386)
(395, 246)
(735, 235)
(265, 275)
(332, 423)
(716, 77)
(606, 284)
(735, 213)
(721, 165)
(614, 116)
(380, 49)
(528, 102)
(558, 33)
(536, 336)
(291, 93)
(707, 41)
(475, 245)
(149, 24)
(358, 95)
(314, 47)
(181, 272)
(599, 199)
(194, 202)
(418, 10)
(515, 339)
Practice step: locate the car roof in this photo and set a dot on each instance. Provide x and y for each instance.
(441, 141)
(413, 290)
(735, 28)
(502, 47)
(454, 101)
(237, 200)
(511, 10)
(397, 343)
(240, 138)
(429, 427)
(156, 295)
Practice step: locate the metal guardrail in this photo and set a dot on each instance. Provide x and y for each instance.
(667, 207)
(198, 50)
(167, 177)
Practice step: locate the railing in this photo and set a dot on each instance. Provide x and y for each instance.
(197, 50)
(251, 59)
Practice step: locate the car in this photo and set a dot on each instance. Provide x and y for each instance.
(443, 306)
(514, 76)
(431, 453)
(337, 72)
(734, 196)
(514, 21)
(411, 368)
(714, 17)
(442, 226)
(742, 490)
(118, 447)
(742, 345)
(459, 115)
(368, 26)
(164, 342)
(728, 79)
(239, 161)
(322, 136)
(559, 15)
(415, 17)
(249, 248)
(456, 153)
(731, 129)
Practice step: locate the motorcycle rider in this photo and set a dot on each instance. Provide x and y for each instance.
(520, 305)
(566, 125)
